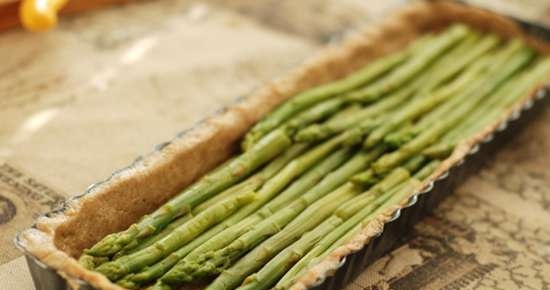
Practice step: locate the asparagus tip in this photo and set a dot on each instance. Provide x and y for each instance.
(106, 247)
(309, 134)
(112, 270)
(364, 180)
(90, 262)
(127, 283)
(248, 141)
(181, 273)
(397, 140)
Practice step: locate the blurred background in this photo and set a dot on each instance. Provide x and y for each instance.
(106, 85)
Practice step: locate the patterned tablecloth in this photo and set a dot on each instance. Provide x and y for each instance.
(106, 86)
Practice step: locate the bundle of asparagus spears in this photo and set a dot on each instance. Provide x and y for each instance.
(322, 165)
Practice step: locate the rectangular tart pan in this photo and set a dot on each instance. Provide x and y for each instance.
(53, 243)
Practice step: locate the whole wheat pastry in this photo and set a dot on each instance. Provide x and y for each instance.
(367, 124)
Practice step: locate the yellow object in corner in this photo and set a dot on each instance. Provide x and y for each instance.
(40, 15)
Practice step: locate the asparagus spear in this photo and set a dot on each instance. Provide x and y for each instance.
(442, 111)
(455, 61)
(365, 179)
(415, 162)
(404, 73)
(299, 267)
(394, 139)
(251, 184)
(116, 269)
(397, 138)
(91, 262)
(476, 120)
(339, 124)
(501, 99)
(316, 113)
(427, 170)
(420, 106)
(473, 74)
(188, 266)
(263, 230)
(207, 241)
(368, 177)
(208, 186)
(351, 109)
(516, 56)
(385, 201)
(138, 244)
(312, 178)
(132, 281)
(396, 197)
(349, 208)
(439, 150)
(307, 220)
(351, 226)
(318, 94)
(273, 270)
(449, 65)
(434, 75)
(308, 240)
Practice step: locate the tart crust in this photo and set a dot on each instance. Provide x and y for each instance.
(58, 238)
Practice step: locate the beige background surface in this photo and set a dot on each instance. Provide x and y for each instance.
(105, 87)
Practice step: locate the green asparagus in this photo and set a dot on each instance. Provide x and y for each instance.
(361, 160)
(116, 269)
(500, 100)
(90, 262)
(433, 77)
(349, 208)
(322, 166)
(452, 95)
(453, 63)
(404, 73)
(316, 113)
(250, 185)
(308, 219)
(263, 230)
(420, 106)
(321, 93)
(339, 124)
(273, 270)
(514, 57)
(208, 186)
(350, 227)
(214, 237)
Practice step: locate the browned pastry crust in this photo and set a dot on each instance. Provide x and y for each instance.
(129, 194)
